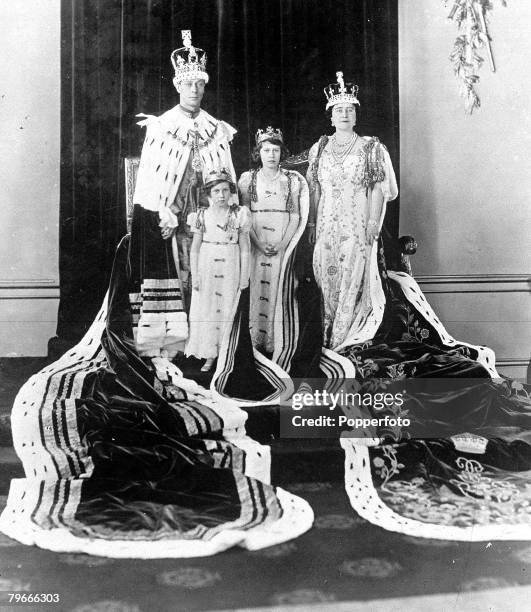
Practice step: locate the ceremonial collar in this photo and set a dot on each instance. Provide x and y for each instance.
(187, 113)
(177, 120)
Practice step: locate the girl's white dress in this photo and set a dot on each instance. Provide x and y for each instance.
(219, 271)
(269, 217)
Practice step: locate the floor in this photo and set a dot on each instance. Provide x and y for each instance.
(343, 563)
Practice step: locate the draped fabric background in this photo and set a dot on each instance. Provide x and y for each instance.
(268, 62)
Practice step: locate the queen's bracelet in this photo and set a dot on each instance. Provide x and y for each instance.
(372, 223)
(310, 224)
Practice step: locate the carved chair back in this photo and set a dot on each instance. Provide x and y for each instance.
(131, 169)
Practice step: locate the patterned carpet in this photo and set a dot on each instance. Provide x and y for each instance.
(343, 559)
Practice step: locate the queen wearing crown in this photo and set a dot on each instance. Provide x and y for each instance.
(351, 179)
(278, 201)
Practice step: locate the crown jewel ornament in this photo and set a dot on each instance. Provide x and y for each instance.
(267, 134)
(341, 92)
(189, 62)
(469, 443)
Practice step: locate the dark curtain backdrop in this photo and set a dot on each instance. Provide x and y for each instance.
(268, 63)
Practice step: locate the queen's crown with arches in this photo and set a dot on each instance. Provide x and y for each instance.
(268, 134)
(341, 92)
(189, 62)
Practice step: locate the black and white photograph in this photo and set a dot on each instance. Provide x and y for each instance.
(265, 305)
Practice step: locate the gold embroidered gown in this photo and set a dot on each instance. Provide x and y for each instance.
(345, 267)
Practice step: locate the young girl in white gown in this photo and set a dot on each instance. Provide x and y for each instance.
(273, 196)
(219, 262)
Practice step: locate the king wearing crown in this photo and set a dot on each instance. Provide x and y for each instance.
(181, 147)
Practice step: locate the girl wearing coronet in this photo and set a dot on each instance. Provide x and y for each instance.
(219, 261)
(274, 197)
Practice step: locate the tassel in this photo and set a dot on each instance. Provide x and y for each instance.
(231, 224)
(200, 219)
(374, 164)
(289, 200)
(252, 186)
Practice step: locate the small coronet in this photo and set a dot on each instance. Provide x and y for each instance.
(269, 134)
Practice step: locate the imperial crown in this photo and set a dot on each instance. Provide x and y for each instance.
(268, 134)
(189, 62)
(341, 92)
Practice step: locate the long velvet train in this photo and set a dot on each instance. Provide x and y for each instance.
(126, 458)
(461, 470)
